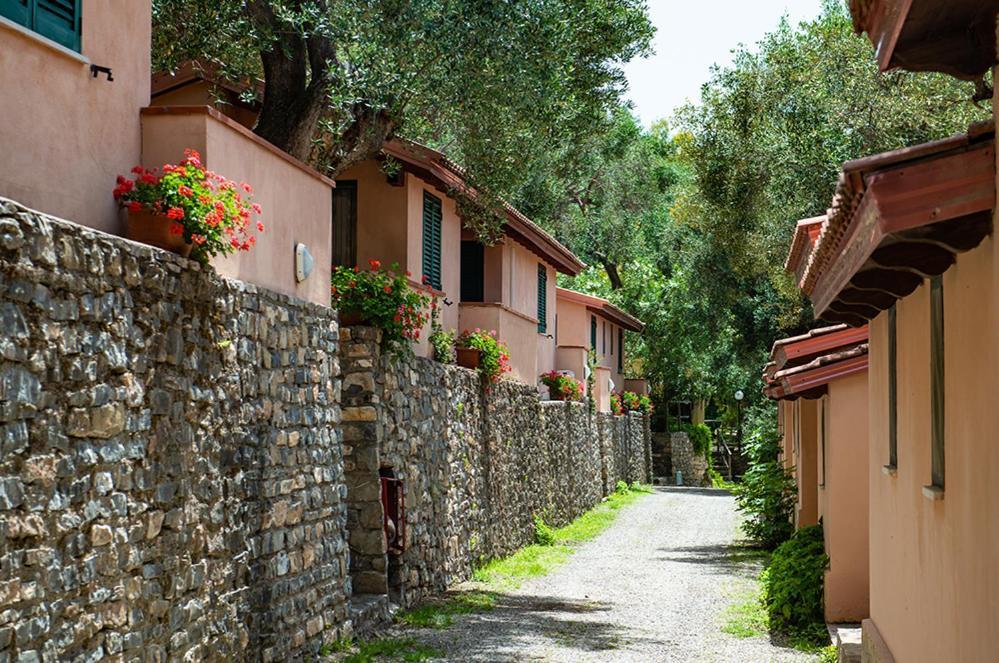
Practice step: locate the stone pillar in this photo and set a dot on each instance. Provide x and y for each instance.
(362, 435)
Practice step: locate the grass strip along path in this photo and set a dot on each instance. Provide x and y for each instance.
(552, 548)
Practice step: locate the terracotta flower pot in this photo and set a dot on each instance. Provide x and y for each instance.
(353, 319)
(469, 357)
(154, 229)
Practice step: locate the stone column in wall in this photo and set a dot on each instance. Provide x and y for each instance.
(363, 428)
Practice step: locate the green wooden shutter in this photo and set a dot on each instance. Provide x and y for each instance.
(58, 20)
(18, 11)
(593, 332)
(620, 350)
(542, 299)
(432, 240)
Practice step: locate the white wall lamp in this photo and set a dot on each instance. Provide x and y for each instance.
(303, 262)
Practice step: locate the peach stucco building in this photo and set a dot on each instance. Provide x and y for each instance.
(69, 134)
(820, 382)
(585, 323)
(909, 248)
(401, 208)
(408, 214)
(66, 141)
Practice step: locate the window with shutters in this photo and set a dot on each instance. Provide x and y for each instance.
(593, 333)
(620, 350)
(58, 20)
(432, 240)
(603, 337)
(937, 382)
(542, 299)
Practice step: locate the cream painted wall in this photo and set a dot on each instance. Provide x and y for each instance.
(65, 134)
(297, 205)
(845, 510)
(951, 545)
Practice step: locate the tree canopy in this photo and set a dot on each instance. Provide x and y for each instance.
(761, 150)
(497, 85)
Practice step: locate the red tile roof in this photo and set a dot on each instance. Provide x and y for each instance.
(802, 366)
(602, 307)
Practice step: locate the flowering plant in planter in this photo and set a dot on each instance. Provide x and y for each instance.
(632, 402)
(495, 357)
(205, 213)
(562, 387)
(380, 297)
(615, 400)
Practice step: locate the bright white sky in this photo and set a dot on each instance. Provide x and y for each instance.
(691, 36)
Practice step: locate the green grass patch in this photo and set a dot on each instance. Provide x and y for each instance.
(397, 649)
(537, 560)
(440, 614)
(747, 617)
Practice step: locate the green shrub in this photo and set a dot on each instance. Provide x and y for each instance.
(792, 586)
(700, 439)
(544, 534)
(767, 493)
(621, 488)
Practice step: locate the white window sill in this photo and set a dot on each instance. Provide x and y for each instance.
(934, 493)
(44, 41)
(889, 470)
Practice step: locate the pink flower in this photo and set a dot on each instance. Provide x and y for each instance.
(260, 226)
(176, 213)
(176, 229)
(374, 264)
(135, 206)
(185, 191)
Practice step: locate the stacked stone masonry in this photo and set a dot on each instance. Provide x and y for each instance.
(477, 465)
(178, 480)
(171, 481)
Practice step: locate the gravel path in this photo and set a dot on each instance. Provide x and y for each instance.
(652, 588)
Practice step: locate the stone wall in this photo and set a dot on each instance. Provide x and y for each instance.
(692, 466)
(171, 476)
(477, 464)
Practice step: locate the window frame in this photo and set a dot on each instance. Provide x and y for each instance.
(542, 298)
(937, 394)
(892, 388)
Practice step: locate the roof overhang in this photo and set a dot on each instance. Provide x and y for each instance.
(898, 218)
(602, 307)
(956, 37)
(434, 167)
(801, 366)
(806, 234)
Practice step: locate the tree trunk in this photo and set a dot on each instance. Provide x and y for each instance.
(612, 274)
(697, 411)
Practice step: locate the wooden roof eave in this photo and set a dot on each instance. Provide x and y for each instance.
(912, 220)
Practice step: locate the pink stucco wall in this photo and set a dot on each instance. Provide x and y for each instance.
(845, 497)
(390, 229)
(520, 333)
(297, 202)
(934, 563)
(65, 134)
(574, 333)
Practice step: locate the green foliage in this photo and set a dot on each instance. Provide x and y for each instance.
(701, 260)
(383, 298)
(504, 86)
(767, 493)
(544, 534)
(440, 614)
(495, 358)
(700, 438)
(336, 647)
(621, 488)
(718, 481)
(792, 586)
(747, 617)
(442, 341)
(399, 649)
